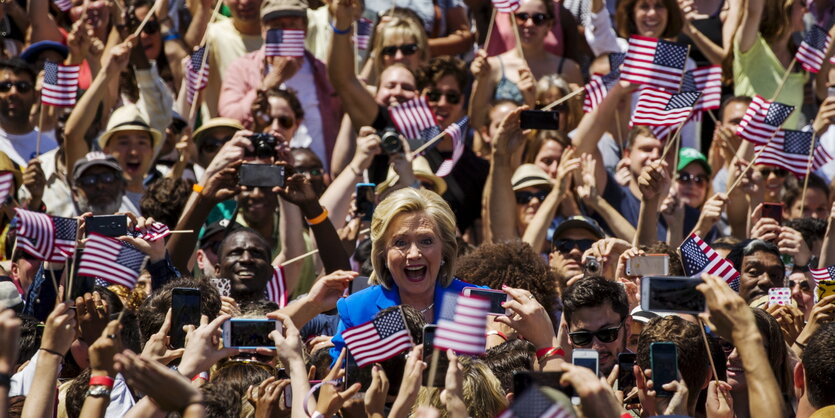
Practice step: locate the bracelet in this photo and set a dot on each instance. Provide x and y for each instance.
(5, 380)
(102, 381)
(318, 219)
(201, 375)
(196, 188)
(497, 333)
(546, 352)
(52, 352)
(170, 36)
(340, 32)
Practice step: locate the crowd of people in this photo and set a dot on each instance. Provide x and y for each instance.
(291, 187)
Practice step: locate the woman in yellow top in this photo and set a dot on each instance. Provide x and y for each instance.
(763, 49)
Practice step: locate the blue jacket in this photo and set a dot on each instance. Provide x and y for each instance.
(361, 307)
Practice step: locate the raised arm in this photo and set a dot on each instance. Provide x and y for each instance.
(290, 227)
(750, 13)
(590, 194)
(337, 197)
(460, 39)
(537, 229)
(44, 27)
(501, 204)
(483, 88)
(828, 246)
(653, 182)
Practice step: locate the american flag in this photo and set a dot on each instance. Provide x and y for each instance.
(197, 76)
(363, 33)
(284, 43)
(63, 5)
(790, 150)
(506, 6)
(599, 85)
(659, 108)
(156, 231)
(654, 62)
(457, 131)
(379, 339)
(48, 238)
(533, 403)
(277, 287)
(708, 81)
(697, 258)
(826, 273)
(465, 332)
(412, 117)
(111, 260)
(762, 120)
(60, 84)
(812, 50)
(6, 185)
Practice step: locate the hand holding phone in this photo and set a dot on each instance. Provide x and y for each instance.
(249, 333)
(107, 225)
(185, 310)
(664, 363)
(539, 119)
(496, 298)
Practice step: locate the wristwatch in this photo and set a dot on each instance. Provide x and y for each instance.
(99, 391)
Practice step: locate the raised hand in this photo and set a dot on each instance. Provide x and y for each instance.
(266, 398)
(154, 249)
(529, 319)
(509, 136)
(105, 348)
(201, 350)
(480, 67)
(375, 396)
(92, 314)
(654, 180)
(157, 347)
(170, 390)
(60, 330)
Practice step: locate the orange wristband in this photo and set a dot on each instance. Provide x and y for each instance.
(196, 188)
(318, 219)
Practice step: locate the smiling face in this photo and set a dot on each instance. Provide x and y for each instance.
(151, 42)
(691, 184)
(414, 252)
(449, 106)
(245, 10)
(775, 179)
(598, 318)
(397, 85)
(245, 260)
(528, 201)
(17, 101)
(134, 151)
(816, 205)
(397, 48)
(99, 190)
(257, 205)
(531, 33)
(650, 17)
(761, 271)
(644, 150)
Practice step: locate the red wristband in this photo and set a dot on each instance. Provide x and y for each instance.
(201, 375)
(626, 415)
(548, 352)
(102, 381)
(497, 333)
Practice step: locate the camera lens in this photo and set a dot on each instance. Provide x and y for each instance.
(390, 140)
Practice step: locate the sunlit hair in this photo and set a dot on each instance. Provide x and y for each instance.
(573, 108)
(775, 21)
(405, 201)
(625, 18)
(481, 389)
(407, 29)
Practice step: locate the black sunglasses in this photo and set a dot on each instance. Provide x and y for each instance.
(566, 245)
(151, 27)
(524, 197)
(779, 172)
(21, 86)
(285, 122)
(453, 97)
(804, 285)
(539, 19)
(685, 177)
(407, 49)
(584, 338)
(92, 179)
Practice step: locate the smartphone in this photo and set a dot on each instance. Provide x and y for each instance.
(496, 298)
(663, 359)
(825, 288)
(249, 333)
(540, 119)
(779, 296)
(365, 200)
(773, 211)
(648, 265)
(261, 175)
(672, 294)
(443, 361)
(107, 225)
(586, 358)
(185, 310)
(524, 380)
(356, 374)
(626, 378)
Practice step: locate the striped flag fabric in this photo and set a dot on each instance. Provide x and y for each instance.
(708, 81)
(284, 43)
(790, 150)
(826, 273)
(412, 117)
(654, 62)
(533, 403)
(379, 339)
(697, 257)
(197, 76)
(6, 185)
(762, 120)
(362, 35)
(60, 84)
(63, 5)
(506, 6)
(111, 260)
(48, 238)
(156, 231)
(457, 132)
(465, 332)
(812, 51)
(277, 287)
(660, 108)
(599, 85)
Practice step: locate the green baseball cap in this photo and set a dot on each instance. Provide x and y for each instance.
(688, 155)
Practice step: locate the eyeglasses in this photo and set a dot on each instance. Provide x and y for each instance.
(584, 338)
(285, 122)
(524, 197)
(313, 171)
(566, 245)
(539, 19)
(21, 86)
(407, 49)
(698, 179)
(779, 172)
(453, 97)
(92, 179)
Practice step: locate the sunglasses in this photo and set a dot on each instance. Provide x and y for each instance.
(539, 19)
(779, 172)
(21, 86)
(804, 285)
(584, 338)
(523, 197)
(566, 245)
(285, 122)
(407, 49)
(151, 27)
(92, 179)
(698, 179)
(453, 97)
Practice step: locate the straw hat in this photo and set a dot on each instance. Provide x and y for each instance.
(128, 118)
(422, 170)
(529, 175)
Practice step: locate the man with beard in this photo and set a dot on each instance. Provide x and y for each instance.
(18, 137)
(98, 186)
(596, 311)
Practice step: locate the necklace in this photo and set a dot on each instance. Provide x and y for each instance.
(423, 311)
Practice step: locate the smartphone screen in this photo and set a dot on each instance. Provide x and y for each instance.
(672, 294)
(648, 265)
(443, 361)
(626, 378)
(261, 175)
(540, 119)
(664, 361)
(522, 381)
(185, 310)
(586, 358)
(356, 374)
(251, 333)
(365, 200)
(496, 298)
(773, 211)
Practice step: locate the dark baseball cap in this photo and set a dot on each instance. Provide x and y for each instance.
(214, 228)
(31, 53)
(94, 158)
(579, 222)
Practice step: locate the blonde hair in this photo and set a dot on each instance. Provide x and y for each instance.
(406, 28)
(481, 389)
(409, 201)
(574, 108)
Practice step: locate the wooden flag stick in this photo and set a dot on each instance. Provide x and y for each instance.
(433, 366)
(516, 35)
(783, 81)
(490, 30)
(808, 171)
(748, 167)
(426, 145)
(192, 111)
(709, 352)
(54, 281)
(301, 257)
(619, 132)
(147, 18)
(675, 136)
(559, 101)
(181, 231)
(40, 128)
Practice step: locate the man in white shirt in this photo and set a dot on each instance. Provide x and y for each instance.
(18, 137)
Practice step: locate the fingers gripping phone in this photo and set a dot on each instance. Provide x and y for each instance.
(185, 310)
(496, 298)
(664, 362)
